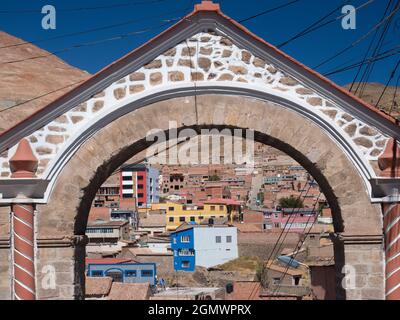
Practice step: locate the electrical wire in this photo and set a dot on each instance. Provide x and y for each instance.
(105, 27)
(381, 56)
(314, 24)
(41, 96)
(369, 68)
(92, 43)
(112, 6)
(394, 103)
(282, 232)
(369, 47)
(299, 244)
(359, 40)
(392, 74)
(268, 11)
(317, 27)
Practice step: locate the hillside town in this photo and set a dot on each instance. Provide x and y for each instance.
(208, 231)
(197, 150)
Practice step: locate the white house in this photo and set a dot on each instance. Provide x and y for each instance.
(215, 245)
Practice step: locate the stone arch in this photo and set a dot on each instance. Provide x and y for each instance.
(357, 222)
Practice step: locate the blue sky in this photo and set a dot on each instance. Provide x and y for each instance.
(22, 18)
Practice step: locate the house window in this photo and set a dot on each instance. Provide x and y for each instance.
(140, 177)
(140, 186)
(140, 195)
(147, 273)
(97, 273)
(170, 208)
(185, 264)
(192, 219)
(130, 273)
(171, 219)
(276, 280)
(127, 178)
(185, 239)
(218, 239)
(228, 239)
(296, 281)
(201, 217)
(221, 208)
(212, 208)
(181, 219)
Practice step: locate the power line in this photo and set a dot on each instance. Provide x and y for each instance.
(41, 96)
(117, 5)
(62, 36)
(387, 83)
(363, 37)
(92, 43)
(282, 232)
(268, 11)
(304, 31)
(394, 95)
(369, 68)
(369, 47)
(316, 27)
(379, 57)
(299, 244)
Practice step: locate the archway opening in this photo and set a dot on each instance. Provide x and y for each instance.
(296, 222)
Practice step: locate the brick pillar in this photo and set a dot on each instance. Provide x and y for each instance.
(391, 222)
(389, 163)
(23, 165)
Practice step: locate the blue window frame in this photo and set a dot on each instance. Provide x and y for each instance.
(130, 273)
(147, 273)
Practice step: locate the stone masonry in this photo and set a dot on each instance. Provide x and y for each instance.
(205, 57)
(64, 217)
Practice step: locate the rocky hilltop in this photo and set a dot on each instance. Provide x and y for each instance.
(30, 78)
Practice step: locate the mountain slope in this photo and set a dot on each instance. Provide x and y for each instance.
(28, 79)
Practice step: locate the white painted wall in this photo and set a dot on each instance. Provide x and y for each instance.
(209, 253)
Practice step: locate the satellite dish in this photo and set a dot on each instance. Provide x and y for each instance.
(289, 261)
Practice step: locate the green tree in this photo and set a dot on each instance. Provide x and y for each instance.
(214, 177)
(291, 202)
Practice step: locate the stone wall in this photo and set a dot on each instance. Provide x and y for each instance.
(204, 58)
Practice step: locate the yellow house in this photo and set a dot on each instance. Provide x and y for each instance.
(177, 213)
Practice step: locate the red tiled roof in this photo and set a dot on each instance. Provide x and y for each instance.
(99, 213)
(111, 224)
(223, 201)
(204, 6)
(130, 291)
(107, 260)
(245, 290)
(97, 286)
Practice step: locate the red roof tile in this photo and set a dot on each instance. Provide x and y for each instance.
(245, 290)
(130, 291)
(97, 286)
(107, 260)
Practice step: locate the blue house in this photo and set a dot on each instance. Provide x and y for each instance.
(182, 244)
(125, 272)
(203, 245)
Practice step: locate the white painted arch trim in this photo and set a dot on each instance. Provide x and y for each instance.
(174, 90)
